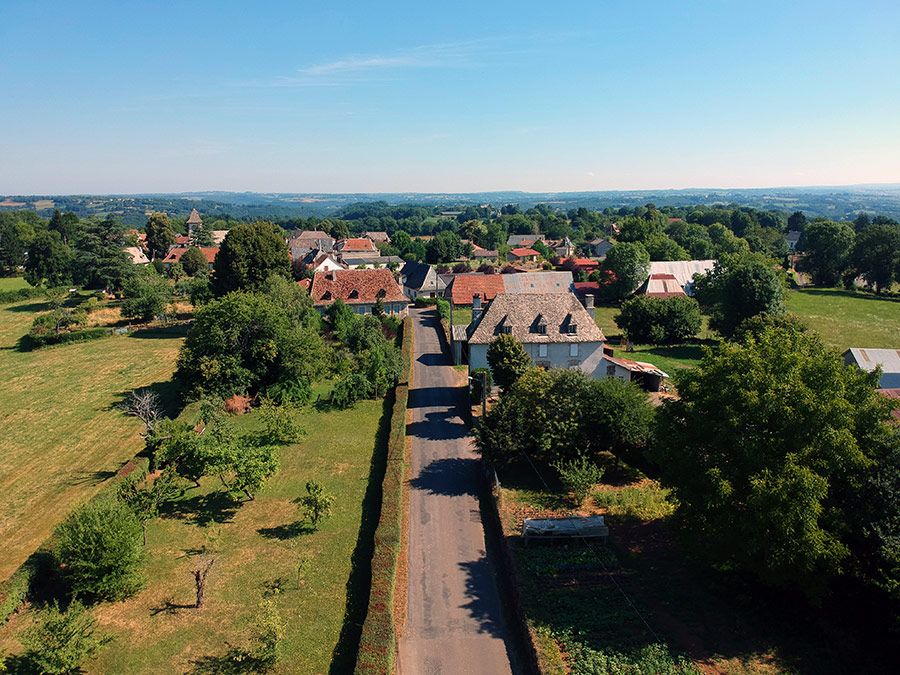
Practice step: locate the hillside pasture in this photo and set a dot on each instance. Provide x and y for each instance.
(60, 437)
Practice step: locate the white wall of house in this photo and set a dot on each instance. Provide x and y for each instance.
(585, 356)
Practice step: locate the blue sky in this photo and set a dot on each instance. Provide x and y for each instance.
(457, 96)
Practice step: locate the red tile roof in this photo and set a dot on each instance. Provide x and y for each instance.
(182, 240)
(356, 287)
(585, 287)
(175, 254)
(464, 286)
(357, 245)
(523, 252)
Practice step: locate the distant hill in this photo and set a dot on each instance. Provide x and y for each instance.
(838, 202)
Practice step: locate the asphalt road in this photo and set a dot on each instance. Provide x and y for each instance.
(454, 623)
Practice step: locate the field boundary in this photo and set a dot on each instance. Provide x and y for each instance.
(378, 642)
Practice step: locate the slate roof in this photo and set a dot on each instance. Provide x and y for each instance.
(355, 287)
(194, 218)
(538, 282)
(635, 366)
(416, 275)
(523, 313)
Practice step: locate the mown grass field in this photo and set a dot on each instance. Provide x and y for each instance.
(846, 319)
(60, 438)
(258, 546)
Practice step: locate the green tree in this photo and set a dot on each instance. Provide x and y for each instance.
(49, 260)
(100, 261)
(317, 504)
(628, 264)
(661, 247)
(147, 295)
(876, 255)
(100, 551)
(194, 262)
(15, 236)
(446, 246)
(765, 445)
(245, 342)
(797, 221)
(160, 235)
(737, 288)
(659, 320)
(508, 360)
(827, 246)
(66, 224)
(249, 255)
(578, 477)
(60, 641)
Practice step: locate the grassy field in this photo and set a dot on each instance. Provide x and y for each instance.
(262, 548)
(462, 316)
(847, 319)
(60, 439)
(640, 603)
(12, 283)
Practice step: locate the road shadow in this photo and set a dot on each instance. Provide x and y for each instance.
(449, 477)
(437, 426)
(484, 605)
(435, 397)
(433, 359)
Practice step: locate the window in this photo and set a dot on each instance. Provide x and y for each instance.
(506, 329)
(542, 350)
(542, 328)
(573, 350)
(610, 370)
(573, 328)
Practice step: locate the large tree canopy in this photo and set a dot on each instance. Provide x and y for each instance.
(250, 254)
(49, 260)
(767, 444)
(246, 342)
(738, 287)
(876, 255)
(629, 265)
(827, 247)
(160, 234)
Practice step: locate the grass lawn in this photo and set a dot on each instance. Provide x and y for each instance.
(12, 283)
(846, 319)
(641, 600)
(462, 315)
(59, 437)
(258, 546)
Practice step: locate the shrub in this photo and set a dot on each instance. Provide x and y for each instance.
(578, 477)
(508, 360)
(99, 549)
(348, 390)
(294, 391)
(659, 320)
(59, 642)
(279, 423)
(17, 295)
(316, 503)
(30, 342)
(146, 295)
(194, 262)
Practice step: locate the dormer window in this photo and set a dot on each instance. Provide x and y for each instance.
(506, 329)
(353, 294)
(572, 328)
(327, 295)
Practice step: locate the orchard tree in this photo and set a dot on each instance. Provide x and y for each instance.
(628, 264)
(60, 641)
(827, 246)
(316, 503)
(737, 288)
(250, 253)
(876, 255)
(160, 235)
(100, 550)
(508, 360)
(766, 447)
(49, 260)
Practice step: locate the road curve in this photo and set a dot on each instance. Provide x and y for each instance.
(454, 622)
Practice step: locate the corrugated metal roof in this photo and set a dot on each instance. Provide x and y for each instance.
(682, 270)
(869, 359)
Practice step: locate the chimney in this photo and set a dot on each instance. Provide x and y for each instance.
(476, 307)
(589, 301)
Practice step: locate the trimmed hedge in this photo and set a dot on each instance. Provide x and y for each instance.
(14, 590)
(378, 642)
(28, 343)
(6, 297)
